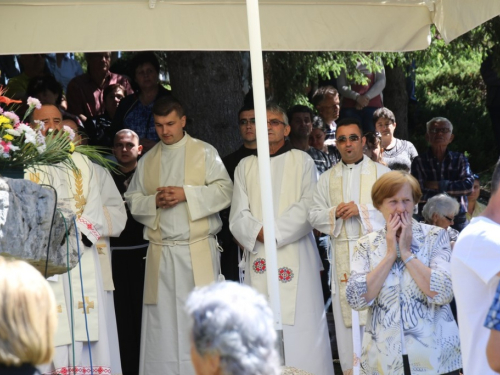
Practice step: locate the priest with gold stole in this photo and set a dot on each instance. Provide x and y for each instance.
(293, 174)
(178, 189)
(342, 207)
(82, 340)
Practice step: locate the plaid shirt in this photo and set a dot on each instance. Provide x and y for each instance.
(453, 174)
(493, 319)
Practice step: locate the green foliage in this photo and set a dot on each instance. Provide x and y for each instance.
(454, 89)
(293, 74)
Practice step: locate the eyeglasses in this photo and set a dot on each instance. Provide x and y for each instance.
(448, 218)
(352, 138)
(275, 122)
(244, 122)
(440, 130)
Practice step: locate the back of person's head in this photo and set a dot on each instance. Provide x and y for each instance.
(166, 105)
(320, 94)
(350, 121)
(441, 205)
(383, 113)
(28, 315)
(38, 86)
(275, 108)
(234, 322)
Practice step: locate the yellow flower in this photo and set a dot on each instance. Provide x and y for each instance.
(4, 120)
(8, 137)
(71, 147)
(7, 126)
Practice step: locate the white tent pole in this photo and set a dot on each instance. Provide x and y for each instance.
(259, 96)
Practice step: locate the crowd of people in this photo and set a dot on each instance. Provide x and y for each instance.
(362, 221)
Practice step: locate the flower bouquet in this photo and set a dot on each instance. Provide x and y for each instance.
(23, 146)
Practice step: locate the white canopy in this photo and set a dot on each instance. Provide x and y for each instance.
(32, 26)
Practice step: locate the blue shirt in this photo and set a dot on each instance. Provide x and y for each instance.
(493, 319)
(453, 174)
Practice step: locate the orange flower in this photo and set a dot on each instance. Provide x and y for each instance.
(8, 101)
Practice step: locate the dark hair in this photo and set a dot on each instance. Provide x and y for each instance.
(319, 94)
(384, 113)
(37, 85)
(166, 104)
(371, 137)
(111, 88)
(143, 58)
(350, 121)
(299, 109)
(246, 107)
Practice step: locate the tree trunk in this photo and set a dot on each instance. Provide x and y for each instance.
(209, 84)
(396, 99)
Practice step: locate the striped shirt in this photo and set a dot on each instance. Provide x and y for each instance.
(453, 174)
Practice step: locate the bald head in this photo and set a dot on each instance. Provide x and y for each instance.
(50, 115)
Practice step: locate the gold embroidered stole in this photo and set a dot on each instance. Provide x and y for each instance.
(368, 176)
(288, 256)
(105, 261)
(199, 246)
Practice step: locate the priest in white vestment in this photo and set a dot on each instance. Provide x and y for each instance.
(178, 189)
(79, 294)
(342, 208)
(115, 219)
(305, 332)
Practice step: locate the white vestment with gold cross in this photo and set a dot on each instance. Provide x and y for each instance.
(293, 176)
(346, 183)
(171, 265)
(79, 191)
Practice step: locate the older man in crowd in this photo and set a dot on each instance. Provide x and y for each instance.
(85, 92)
(326, 100)
(342, 207)
(294, 176)
(440, 170)
(475, 271)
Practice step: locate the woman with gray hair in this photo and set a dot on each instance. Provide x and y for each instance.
(440, 211)
(232, 332)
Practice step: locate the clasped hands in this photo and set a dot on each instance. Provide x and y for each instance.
(345, 211)
(399, 225)
(169, 196)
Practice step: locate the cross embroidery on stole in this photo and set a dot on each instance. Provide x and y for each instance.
(88, 305)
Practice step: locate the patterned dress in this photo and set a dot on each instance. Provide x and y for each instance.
(401, 309)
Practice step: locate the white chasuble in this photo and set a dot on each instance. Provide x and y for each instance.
(165, 342)
(293, 177)
(346, 183)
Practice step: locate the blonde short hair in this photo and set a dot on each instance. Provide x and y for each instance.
(390, 183)
(28, 315)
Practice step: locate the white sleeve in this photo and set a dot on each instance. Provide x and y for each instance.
(215, 195)
(242, 224)
(322, 214)
(142, 206)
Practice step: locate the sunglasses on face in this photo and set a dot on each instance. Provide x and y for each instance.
(448, 218)
(352, 138)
